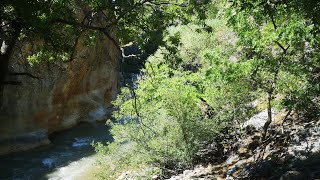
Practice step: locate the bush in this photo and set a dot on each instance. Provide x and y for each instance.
(175, 110)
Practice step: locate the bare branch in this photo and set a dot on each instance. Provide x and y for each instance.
(135, 106)
(273, 22)
(283, 48)
(129, 56)
(71, 58)
(24, 74)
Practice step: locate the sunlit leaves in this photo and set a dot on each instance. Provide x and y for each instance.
(280, 39)
(45, 55)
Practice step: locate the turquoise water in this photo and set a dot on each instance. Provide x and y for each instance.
(67, 147)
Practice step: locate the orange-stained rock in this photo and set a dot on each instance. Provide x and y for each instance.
(66, 93)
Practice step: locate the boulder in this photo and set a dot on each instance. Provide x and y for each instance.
(293, 175)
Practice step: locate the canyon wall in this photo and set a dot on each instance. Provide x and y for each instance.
(61, 95)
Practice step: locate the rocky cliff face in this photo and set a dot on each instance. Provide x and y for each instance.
(63, 95)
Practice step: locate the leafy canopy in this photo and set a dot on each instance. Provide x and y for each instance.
(58, 22)
(281, 39)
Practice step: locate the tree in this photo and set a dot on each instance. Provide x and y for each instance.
(58, 24)
(281, 39)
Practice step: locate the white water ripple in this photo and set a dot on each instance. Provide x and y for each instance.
(48, 162)
(79, 142)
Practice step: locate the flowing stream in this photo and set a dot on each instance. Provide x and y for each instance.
(69, 155)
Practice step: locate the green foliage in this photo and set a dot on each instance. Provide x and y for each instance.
(123, 158)
(202, 81)
(46, 56)
(164, 114)
(204, 76)
(59, 23)
(281, 43)
(230, 91)
(183, 99)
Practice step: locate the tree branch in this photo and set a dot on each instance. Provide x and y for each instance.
(273, 22)
(24, 74)
(84, 26)
(135, 106)
(284, 49)
(166, 3)
(74, 48)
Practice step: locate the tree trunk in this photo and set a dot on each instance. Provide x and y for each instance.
(268, 122)
(5, 55)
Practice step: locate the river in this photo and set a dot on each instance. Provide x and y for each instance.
(69, 155)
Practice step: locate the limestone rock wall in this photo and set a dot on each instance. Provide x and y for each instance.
(65, 94)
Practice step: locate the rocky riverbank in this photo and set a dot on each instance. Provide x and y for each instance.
(290, 151)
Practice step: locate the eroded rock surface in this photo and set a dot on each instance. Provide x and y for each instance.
(64, 94)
